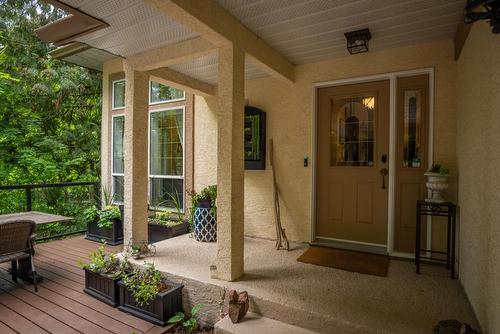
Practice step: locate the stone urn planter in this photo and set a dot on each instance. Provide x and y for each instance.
(436, 183)
(102, 287)
(159, 310)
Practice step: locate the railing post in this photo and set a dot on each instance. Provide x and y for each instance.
(97, 191)
(28, 199)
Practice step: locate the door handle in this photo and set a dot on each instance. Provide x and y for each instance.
(384, 172)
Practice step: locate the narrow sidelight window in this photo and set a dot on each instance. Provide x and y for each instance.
(118, 94)
(412, 128)
(166, 157)
(117, 160)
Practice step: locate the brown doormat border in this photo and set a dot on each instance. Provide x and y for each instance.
(358, 262)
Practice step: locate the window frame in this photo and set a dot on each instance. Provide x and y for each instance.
(113, 174)
(178, 177)
(113, 107)
(165, 101)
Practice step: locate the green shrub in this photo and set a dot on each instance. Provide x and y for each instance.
(190, 324)
(104, 217)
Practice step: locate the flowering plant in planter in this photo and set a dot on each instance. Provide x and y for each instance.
(167, 224)
(105, 224)
(144, 284)
(145, 294)
(102, 274)
(104, 217)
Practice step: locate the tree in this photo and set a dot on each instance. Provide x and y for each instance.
(49, 110)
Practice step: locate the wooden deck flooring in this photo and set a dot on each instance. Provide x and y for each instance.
(60, 306)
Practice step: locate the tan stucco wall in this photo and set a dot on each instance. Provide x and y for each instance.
(478, 155)
(289, 108)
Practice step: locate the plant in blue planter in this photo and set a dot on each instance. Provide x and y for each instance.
(204, 214)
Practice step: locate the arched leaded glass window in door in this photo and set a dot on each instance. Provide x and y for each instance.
(352, 131)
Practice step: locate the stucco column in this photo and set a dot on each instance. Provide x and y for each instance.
(230, 163)
(135, 227)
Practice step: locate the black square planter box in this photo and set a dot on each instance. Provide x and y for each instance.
(157, 232)
(112, 236)
(101, 287)
(158, 311)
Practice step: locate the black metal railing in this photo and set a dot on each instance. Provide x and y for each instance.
(64, 198)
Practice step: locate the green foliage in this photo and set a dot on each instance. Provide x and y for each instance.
(190, 324)
(49, 117)
(104, 217)
(144, 285)
(437, 168)
(107, 264)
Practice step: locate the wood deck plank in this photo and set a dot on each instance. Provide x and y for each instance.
(60, 306)
(82, 298)
(71, 319)
(17, 322)
(4, 329)
(37, 316)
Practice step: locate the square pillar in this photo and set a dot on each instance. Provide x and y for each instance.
(230, 163)
(135, 148)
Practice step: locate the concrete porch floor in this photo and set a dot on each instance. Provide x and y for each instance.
(318, 298)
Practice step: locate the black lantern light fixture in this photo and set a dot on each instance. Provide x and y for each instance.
(357, 41)
(484, 10)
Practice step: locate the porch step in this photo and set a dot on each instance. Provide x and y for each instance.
(254, 323)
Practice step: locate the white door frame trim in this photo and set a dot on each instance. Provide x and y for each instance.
(392, 77)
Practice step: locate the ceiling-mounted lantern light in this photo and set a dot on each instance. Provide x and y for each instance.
(484, 10)
(357, 41)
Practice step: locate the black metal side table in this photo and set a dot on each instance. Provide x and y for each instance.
(448, 210)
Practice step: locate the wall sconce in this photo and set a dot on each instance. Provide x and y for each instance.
(484, 10)
(357, 41)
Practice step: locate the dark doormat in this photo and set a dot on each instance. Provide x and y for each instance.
(358, 262)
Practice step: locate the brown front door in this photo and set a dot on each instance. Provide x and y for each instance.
(352, 156)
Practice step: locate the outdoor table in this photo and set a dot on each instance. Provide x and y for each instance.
(40, 218)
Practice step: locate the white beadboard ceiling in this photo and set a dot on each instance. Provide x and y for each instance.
(304, 31)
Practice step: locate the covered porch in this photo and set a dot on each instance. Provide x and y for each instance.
(278, 55)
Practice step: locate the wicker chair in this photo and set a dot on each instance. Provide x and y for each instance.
(16, 242)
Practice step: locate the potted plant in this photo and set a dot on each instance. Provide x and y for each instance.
(102, 274)
(204, 214)
(167, 224)
(437, 177)
(145, 294)
(104, 225)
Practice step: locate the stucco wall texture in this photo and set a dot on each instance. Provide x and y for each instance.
(478, 155)
(289, 108)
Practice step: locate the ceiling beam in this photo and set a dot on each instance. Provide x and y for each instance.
(171, 54)
(169, 77)
(212, 22)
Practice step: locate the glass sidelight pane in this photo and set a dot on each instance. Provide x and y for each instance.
(412, 128)
(118, 129)
(352, 125)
